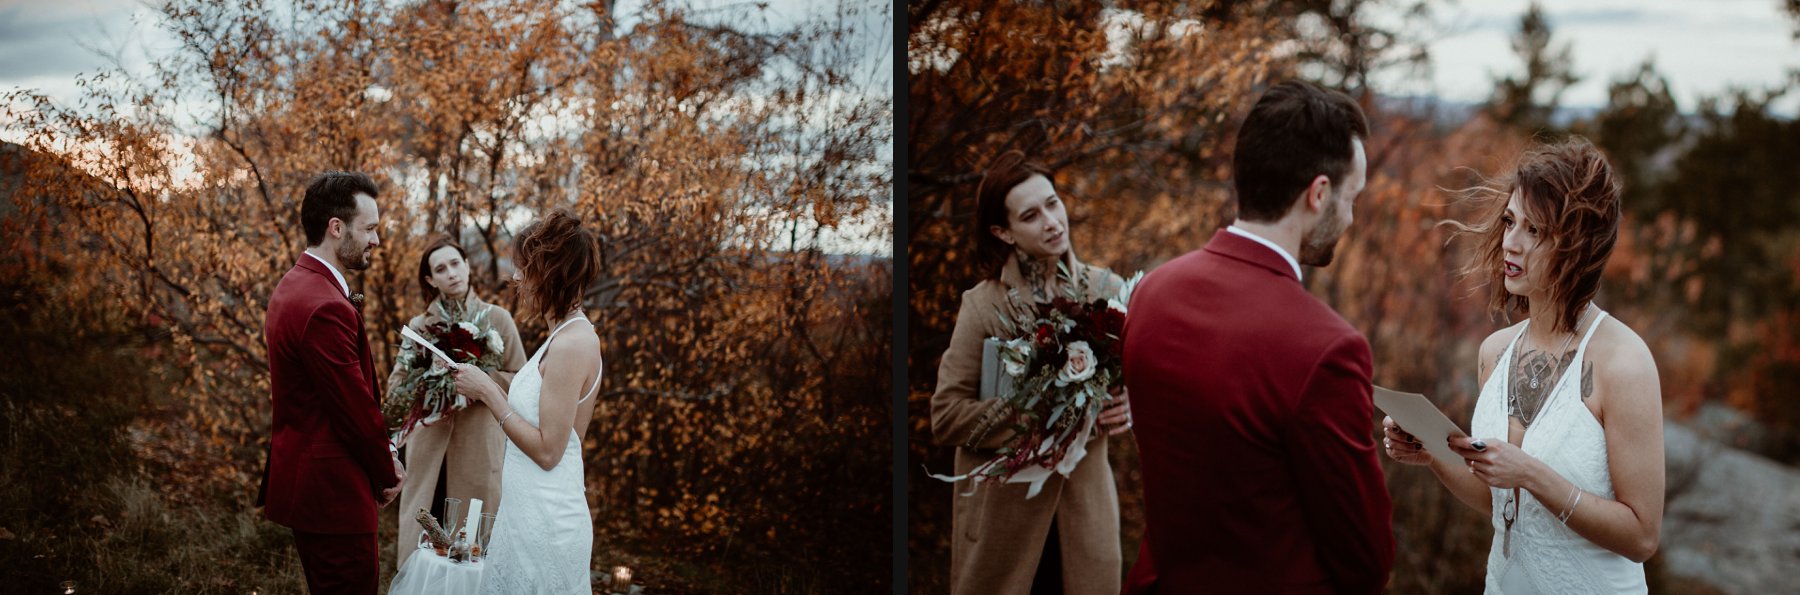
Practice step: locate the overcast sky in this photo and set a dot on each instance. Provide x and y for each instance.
(1702, 46)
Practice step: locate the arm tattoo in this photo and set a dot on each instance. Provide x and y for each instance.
(1587, 380)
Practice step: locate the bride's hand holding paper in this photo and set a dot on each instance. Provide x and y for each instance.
(475, 384)
(1402, 447)
(1417, 431)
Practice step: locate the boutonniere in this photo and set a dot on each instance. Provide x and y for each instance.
(357, 298)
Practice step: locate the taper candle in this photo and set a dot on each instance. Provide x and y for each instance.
(473, 523)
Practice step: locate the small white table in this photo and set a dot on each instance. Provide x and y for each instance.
(427, 573)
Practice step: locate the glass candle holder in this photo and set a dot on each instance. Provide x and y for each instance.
(486, 534)
(621, 579)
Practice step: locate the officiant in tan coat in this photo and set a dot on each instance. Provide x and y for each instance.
(457, 456)
(1065, 539)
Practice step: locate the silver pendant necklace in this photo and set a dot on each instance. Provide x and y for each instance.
(1515, 406)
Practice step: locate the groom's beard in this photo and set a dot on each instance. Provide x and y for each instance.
(1319, 246)
(354, 258)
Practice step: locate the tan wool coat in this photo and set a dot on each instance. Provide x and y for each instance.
(467, 446)
(999, 534)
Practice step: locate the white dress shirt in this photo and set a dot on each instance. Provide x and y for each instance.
(1272, 246)
(340, 276)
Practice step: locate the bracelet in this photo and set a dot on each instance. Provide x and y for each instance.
(509, 413)
(1570, 511)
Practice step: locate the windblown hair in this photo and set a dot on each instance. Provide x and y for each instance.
(558, 259)
(1004, 172)
(1570, 192)
(441, 242)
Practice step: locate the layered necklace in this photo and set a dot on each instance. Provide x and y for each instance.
(1526, 402)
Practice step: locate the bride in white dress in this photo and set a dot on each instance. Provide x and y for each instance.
(543, 537)
(1567, 452)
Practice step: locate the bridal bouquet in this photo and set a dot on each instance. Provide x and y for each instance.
(1063, 359)
(426, 393)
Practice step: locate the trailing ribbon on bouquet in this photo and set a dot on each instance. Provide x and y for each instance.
(1035, 475)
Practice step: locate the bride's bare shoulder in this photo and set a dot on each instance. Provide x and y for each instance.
(573, 345)
(1495, 343)
(1618, 351)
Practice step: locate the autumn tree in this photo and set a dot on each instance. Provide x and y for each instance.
(1640, 126)
(718, 153)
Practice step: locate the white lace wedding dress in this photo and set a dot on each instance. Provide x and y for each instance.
(543, 537)
(1547, 556)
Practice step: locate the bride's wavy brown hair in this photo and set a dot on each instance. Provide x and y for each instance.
(559, 259)
(1571, 194)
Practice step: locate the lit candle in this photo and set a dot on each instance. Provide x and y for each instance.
(473, 523)
(621, 579)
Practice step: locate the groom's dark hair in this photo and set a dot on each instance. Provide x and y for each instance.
(1296, 131)
(332, 195)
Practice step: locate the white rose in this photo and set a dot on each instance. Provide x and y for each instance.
(495, 343)
(473, 332)
(1080, 366)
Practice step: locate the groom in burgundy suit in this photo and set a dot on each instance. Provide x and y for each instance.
(330, 462)
(1255, 424)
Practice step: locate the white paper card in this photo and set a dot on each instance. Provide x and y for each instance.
(1419, 417)
(406, 331)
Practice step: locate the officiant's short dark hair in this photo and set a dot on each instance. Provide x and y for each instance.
(332, 195)
(1295, 132)
(559, 259)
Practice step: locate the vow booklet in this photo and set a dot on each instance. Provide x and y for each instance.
(1419, 417)
(994, 381)
(406, 331)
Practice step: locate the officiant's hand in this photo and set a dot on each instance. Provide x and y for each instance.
(1500, 464)
(1403, 447)
(1116, 418)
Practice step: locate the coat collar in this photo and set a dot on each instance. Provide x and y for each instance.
(1013, 278)
(312, 263)
(1236, 247)
(471, 303)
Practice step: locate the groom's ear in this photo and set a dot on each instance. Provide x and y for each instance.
(1317, 193)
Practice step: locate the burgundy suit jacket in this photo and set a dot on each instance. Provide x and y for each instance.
(329, 458)
(1255, 427)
